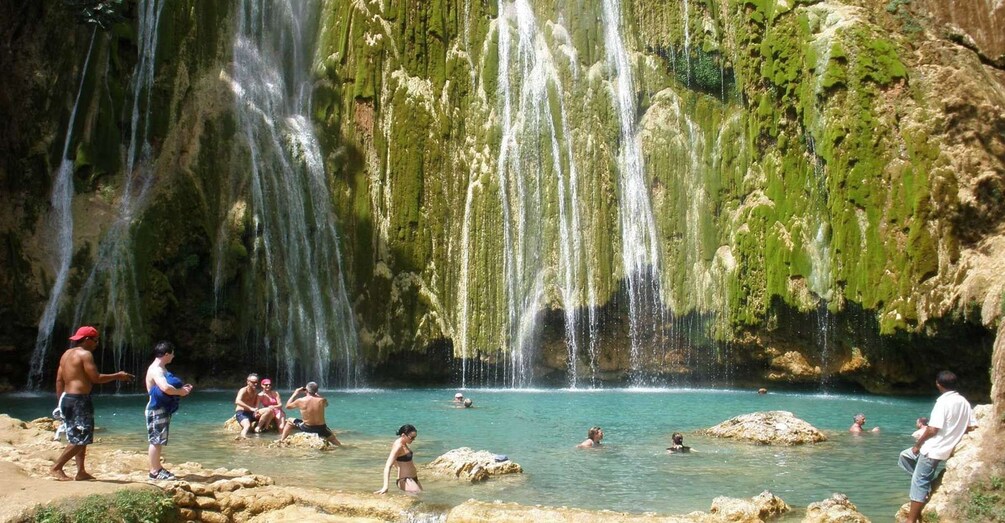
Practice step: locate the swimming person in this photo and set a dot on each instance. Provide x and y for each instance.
(468, 403)
(593, 437)
(269, 408)
(312, 408)
(458, 398)
(857, 422)
(246, 403)
(75, 378)
(401, 457)
(678, 446)
(165, 390)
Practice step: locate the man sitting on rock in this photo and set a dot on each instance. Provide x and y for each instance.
(312, 408)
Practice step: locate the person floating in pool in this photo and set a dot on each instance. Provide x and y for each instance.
(858, 423)
(468, 403)
(312, 408)
(593, 438)
(458, 398)
(678, 446)
(401, 457)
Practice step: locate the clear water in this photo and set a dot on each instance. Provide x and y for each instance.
(539, 429)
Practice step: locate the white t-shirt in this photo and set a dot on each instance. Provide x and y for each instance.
(951, 415)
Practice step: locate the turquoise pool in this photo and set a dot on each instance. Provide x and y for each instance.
(540, 428)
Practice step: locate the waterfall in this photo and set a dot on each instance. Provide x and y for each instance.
(307, 314)
(62, 223)
(819, 250)
(111, 289)
(534, 170)
(639, 249)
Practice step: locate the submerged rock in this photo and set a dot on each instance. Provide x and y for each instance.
(471, 465)
(835, 509)
(777, 427)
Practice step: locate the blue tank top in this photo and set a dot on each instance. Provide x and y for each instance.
(160, 400)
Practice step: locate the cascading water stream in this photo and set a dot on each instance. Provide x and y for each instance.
(62, 198)
(111, 290)
(820, 256)
(307, 313)
(535, 166)
(639, 248)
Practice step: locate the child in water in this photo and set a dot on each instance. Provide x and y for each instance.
(678, 444)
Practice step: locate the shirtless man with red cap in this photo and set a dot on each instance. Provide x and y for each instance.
(76, 376)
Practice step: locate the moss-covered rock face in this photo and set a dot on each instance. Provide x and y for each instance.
(824, 178)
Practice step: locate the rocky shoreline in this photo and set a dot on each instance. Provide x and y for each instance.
(229, 495)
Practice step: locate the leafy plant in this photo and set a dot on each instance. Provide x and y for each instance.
(126, 506)
(986, 501)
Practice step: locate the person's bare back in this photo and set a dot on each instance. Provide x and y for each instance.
(312, 409)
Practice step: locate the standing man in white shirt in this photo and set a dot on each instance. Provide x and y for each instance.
(951, 418)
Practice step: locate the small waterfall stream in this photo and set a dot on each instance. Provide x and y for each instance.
(308, 323)
(530, 172)
(639, 242)
(111, 291)
(62, 224)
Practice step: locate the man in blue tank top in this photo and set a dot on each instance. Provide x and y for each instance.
(166, 391)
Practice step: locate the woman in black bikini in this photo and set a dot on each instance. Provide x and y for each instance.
(401, 457)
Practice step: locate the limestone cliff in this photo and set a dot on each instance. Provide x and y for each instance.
(550, 192)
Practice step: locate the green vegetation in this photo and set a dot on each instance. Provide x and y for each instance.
(125, 506)
(985, 501)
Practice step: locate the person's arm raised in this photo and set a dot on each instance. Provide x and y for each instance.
(290, 404)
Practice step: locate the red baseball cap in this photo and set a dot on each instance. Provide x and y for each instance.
(84, 332)
(266, 381)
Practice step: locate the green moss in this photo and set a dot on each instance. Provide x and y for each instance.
(125, 506)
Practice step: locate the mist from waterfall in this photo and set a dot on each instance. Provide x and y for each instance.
(62, 225)
(306, 322)
(639, 241)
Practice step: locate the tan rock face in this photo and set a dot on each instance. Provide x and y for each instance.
(777, 427)
(792, 366)
(471, 465)
(835, 509)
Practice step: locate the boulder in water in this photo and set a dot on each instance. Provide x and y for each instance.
(777, 427)
(471, 465)
(835, 509)
(304, 440)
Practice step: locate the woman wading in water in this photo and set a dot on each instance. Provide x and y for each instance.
(401, 457)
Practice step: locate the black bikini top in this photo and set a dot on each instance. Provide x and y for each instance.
(405, 457)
